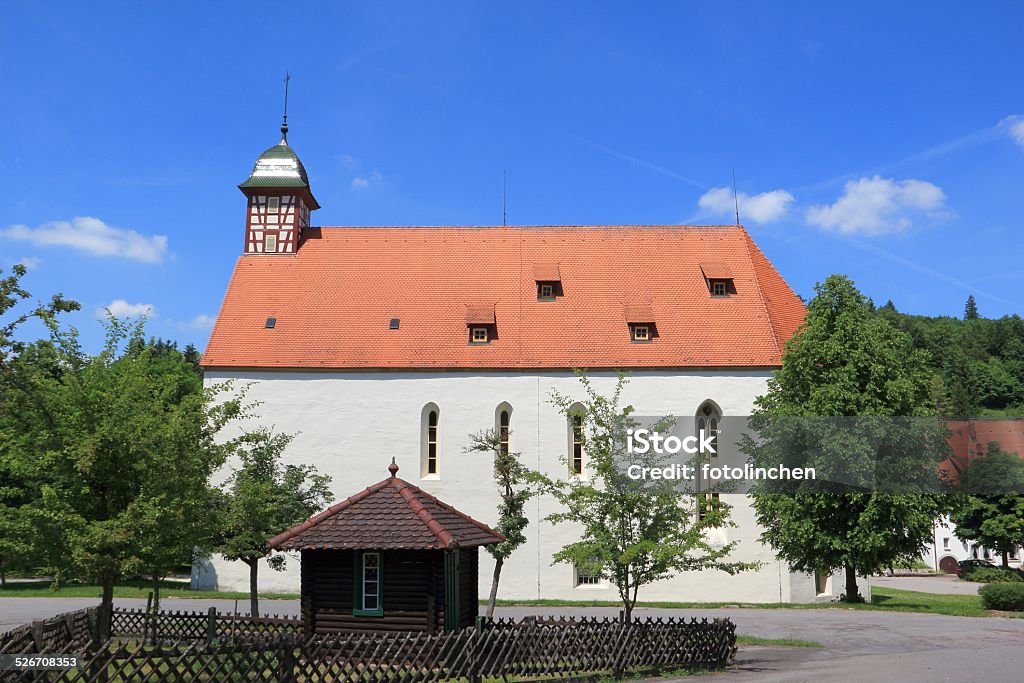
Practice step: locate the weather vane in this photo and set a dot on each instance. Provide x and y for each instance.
(284, 123)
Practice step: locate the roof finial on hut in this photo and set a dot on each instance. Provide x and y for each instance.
(393, 467)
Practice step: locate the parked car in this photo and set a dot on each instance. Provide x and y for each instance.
(964, 565)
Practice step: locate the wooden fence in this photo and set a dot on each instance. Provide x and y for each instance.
(495, 650)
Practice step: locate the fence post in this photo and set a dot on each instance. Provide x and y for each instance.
(37, 634)
(474, 661)
(211, 624)
(286, 659)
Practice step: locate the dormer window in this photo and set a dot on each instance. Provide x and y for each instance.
(640, 318)
(549, 281)
(481, 324)
(718, 277)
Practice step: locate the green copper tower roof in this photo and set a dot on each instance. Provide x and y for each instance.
(278, 166)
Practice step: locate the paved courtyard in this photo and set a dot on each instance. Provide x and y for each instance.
(858, 645)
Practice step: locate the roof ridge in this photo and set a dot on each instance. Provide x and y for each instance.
(324, 514)
(747, 241)
(510, 228)
(433, 525)
(759, 262)
(453, 510)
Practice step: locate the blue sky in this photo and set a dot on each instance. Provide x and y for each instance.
(882, 140)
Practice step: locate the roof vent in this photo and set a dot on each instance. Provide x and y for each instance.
(271, 323)
(393, 325)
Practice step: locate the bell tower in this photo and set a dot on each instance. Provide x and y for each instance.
(279, 199)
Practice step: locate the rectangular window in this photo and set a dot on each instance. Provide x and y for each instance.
(272, 204)
(546, 292)
(945, 543)
(368, 582)
(821, 583)
(479, 335)
(587, 574)
(270, 242)
(718, 288)
(576, 463)
(641, 333)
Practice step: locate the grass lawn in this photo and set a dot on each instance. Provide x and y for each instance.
(126, 589)
(749, 641)
(882, 599)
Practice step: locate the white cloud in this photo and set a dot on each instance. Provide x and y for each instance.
(349, 161)
(759, 208)
(876, 205)
(93, 236)
(120, 308)
(30, 262)
(1016, 128)
(202, 322)
(361, 182)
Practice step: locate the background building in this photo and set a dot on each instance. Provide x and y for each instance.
(378, 342)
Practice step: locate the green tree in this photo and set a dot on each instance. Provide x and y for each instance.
(111, 447)
(633, 533)
(17, 550)
(846, 361)
(971, 308)
(961, 378)
(514, 489)
(990, 509)
(262, 498)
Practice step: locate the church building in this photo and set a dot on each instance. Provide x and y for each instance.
(369, 343)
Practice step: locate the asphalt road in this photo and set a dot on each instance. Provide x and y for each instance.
(859, 645)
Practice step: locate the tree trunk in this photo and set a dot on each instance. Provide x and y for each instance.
(106, 607)
(1006, 559)
(156, 594)
(254, 598)
(851, 584)
(494, 586)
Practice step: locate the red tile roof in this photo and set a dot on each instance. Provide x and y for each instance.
(969, 439)
(546, 272)
(334, 298)
(716, 271)
(390, 515)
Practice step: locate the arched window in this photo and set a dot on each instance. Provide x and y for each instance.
(577, 450)
(429, 449)
(503, 426)
(708, 417)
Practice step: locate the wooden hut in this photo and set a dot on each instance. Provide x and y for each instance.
(390, 558)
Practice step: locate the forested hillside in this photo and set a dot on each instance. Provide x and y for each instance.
(978, 363)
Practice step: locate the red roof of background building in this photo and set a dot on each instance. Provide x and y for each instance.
(333, 300)
(969, 439)
(390, 515)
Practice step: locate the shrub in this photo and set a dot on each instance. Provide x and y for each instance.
(993, 575)
(1003, 596)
